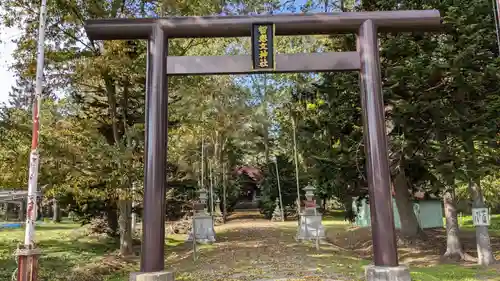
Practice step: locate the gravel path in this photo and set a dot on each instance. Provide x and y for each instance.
(253, 249)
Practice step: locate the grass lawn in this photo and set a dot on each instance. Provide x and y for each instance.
(424, 258)
(66, 251)
(466, 223)
(245, 250)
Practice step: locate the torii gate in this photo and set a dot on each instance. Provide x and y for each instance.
(365, 60)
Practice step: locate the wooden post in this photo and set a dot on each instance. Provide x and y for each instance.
(279, 189)
(224, 192)
(155, 178)
(379, 180)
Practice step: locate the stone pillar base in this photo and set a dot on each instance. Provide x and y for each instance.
(204, 228)
(152, 276)
(310, 228)
(382, 273)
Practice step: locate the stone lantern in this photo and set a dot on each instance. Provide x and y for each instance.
(278, 213)
(202, 195)
(310, 204)
(200, 207)
(203, 225)
(218, 211)
(309, 189)
(311, 227)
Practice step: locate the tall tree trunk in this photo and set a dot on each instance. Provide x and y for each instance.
(133, 222)
(22, 212)
(6, 211)
(218, 159)
(266, 146)
(39, 210)
(111, 92)
(125, 207)
(484, 253)
(350, 214)
(56, 211)
(124, 202)
(224, 192)
(48, 210)
(296, 160)
(265, 124)
(454, 248)
(222, 177)
(203, 166)
(112, 219)
(214, 171)
(125, 223)
(211, 186)
(410, 227)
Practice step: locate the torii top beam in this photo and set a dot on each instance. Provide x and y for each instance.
(240, 26)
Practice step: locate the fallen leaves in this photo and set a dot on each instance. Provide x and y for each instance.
(259, 250)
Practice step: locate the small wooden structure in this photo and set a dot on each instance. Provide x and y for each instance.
(250, 190)
(16, 197)
(429, 213)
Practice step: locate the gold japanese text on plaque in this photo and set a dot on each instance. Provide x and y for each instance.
(263, 46)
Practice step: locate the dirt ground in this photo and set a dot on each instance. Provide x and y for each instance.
(421, 253)
(251, 248)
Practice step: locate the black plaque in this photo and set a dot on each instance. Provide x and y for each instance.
(263, 47)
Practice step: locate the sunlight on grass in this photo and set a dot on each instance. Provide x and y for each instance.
(64, 246)
(174, 240)
(466, 223)
(444, 272)
(451, 273)
(68, 251)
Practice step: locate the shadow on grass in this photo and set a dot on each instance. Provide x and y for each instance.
(57, 226)
(244, 251)
(263, 252)
(88, 248)
(244, 215)
(256, 252)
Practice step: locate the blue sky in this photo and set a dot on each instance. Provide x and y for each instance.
(7, 79)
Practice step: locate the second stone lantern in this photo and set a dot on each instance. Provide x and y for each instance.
(203, 222)
(311, 226)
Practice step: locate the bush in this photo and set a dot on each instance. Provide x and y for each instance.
(267, 205)
(101, 226)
